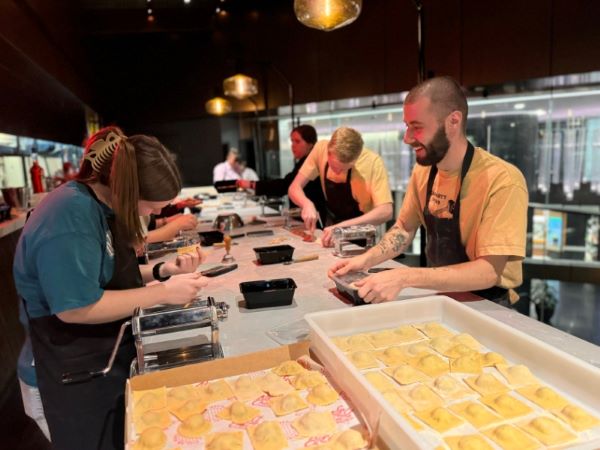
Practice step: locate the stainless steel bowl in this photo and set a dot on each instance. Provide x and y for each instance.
(227, 222)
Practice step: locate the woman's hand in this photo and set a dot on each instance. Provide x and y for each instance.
(244, 184)
(327, 236)
(310, 216)
(183, 221)
(187, 263)
(182, 289)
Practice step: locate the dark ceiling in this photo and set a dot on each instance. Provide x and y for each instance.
(172, 65)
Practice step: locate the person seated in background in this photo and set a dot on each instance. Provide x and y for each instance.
(247, 173)
(303, 138)
(228, 169)
(353, 179)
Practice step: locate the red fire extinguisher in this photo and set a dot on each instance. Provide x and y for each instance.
(37, 176)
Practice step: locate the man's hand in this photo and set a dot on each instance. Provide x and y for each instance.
(327, 236)
(244, 184)
(343, 266)
(382, 287)
(187, 263)
(310, 216)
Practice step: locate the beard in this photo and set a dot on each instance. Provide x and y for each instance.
(436, 149)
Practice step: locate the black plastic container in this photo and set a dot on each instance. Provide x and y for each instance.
(225, 186)
(267, 293)
(4, 212)
(208, 238)
(345, 287)
(274, 254)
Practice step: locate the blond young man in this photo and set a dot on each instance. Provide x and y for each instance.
(473, 205)
(354, 181)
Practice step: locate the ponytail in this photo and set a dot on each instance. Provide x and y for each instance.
(124, 186)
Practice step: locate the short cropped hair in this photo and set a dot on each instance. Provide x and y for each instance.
(445, 94)
(347, 143)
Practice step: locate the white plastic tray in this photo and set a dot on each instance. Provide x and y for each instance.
(570, 375)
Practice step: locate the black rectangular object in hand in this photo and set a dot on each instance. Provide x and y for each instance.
(208, 238)
(218, 270)
(260, 233)
(274, 254)
(266, 293)
(345, 287)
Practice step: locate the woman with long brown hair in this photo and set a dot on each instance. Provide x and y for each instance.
(77, 274)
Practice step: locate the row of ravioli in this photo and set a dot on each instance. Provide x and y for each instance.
(286, 389)
(447, 384)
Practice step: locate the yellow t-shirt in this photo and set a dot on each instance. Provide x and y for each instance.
(493, 209)
(369, 179)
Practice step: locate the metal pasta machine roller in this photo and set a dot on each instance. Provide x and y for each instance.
(170, 335)
(166, 336)
(353, 240)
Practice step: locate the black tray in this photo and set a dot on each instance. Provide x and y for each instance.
(225, 186)
(344, 286)
(208, 238)
(266, 293)
(274, 254)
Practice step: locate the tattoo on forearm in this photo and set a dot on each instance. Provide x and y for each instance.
(395, 240)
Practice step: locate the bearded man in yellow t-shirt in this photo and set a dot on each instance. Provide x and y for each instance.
(472, 204)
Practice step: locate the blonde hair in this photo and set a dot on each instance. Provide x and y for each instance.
(347, 143)
(139, 168)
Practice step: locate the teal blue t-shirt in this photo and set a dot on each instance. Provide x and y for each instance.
(64, 256)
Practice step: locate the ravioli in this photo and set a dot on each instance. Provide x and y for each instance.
(309, 379)
(215, 391)
(543, 396)
(407, 333)
(391, 356)
(440, 344)
(448, 387)
(394, 398)
(379, 381)
(510, 437)
(267, 436)
(470, 363)
(440, 419)
(194, 426)
(383, 338)
(405, 374)
(363, 359)
(421, 398)
(548, 431)
(153, 418)
(287, 404)
(431, 365)
(288, 368)
(229, 440)
(470, 442)
(314, 424)
(416, 349)
(492, 358)
(359, 342)
(518, 375)
(412, 422)
(506, 405)
(274, 385)
(152, 438)
(189, 408)
(238, 412)
(433, 329)
(475, 413)
(466, 339)
(486, 384)
(150, 399)
(177, 396)
(322, 395)
(350, 440)
(245, 389)
(458, 350)
(578, 418)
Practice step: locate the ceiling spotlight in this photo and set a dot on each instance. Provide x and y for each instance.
(150, 18)
(218, 10)
(240, 86)
(519, 106)
(187, 2)
(149, 10)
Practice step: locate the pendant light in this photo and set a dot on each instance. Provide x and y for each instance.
(218, 106)
(327, 15)
(240, 86)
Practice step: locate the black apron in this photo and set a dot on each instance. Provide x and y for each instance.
(444, 244)
(87, 415)
(340, 203)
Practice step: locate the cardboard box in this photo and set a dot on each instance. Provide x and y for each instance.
(210, 370)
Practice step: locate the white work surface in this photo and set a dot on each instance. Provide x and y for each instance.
(246, 330)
